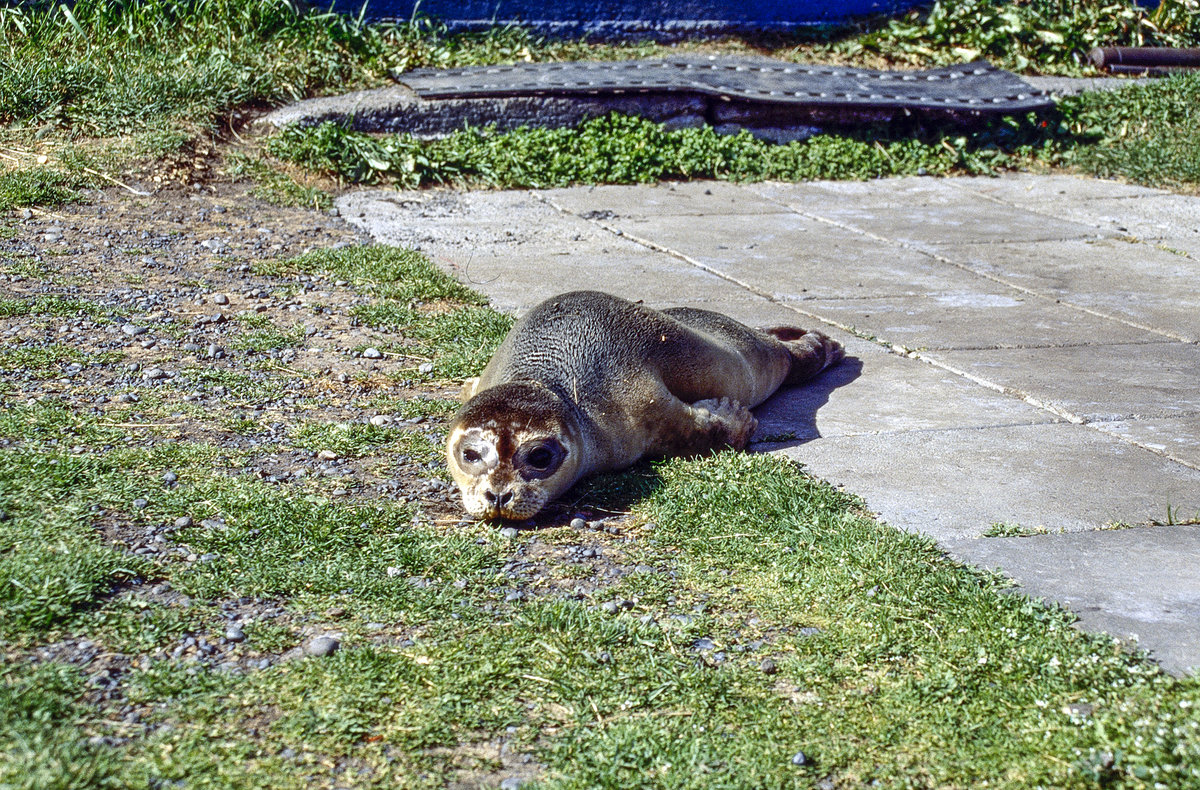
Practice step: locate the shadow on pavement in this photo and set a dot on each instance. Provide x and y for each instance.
(789, 418)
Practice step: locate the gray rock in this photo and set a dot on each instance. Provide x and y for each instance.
(235, 634)
(372, 353)
(220, 299)
(134, 331)
(799, 758)
(768, 667)
(509, 532)
(322, 646)
(578, 523)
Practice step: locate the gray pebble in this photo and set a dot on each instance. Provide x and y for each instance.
(703, 644)
(610, 607)
(768, 667)
(220, 299)
(322, 646)
(578, 523)
(512, 783)
(140, 503)
(425, 367)
(170, 477)
(234, 634)
(799, 758)
(372, 353)
(134, 331)
(509, 532)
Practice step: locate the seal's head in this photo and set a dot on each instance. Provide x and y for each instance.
(512, 449)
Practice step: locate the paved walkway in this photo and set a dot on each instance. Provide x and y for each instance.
(1020, 351)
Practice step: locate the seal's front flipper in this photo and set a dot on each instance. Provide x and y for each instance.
(811, 351)
(722, 423)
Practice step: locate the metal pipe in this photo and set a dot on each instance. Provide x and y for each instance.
(1128, 60)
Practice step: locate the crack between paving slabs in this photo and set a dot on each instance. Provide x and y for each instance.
(1059, 412)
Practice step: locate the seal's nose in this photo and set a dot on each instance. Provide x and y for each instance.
(497, 501)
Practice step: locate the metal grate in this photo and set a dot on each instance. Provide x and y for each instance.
(977, 86)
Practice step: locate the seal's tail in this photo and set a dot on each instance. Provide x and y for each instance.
(811, 351)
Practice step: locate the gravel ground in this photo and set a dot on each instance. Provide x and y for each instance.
(164, 285)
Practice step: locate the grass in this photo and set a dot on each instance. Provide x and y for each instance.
(1146, 133)
(440, 319)
(757, 614)
(156, 80)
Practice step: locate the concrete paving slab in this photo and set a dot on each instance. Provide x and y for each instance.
(685, 198)
(976, 320)
(1093, 382)
(875, 392)
(1050, 191)
(791, 257)
(1138, 584)
(1176, 438)
(881, 193)
(1120, 278)
(1169, 221)
(956, 483)
(969, 220)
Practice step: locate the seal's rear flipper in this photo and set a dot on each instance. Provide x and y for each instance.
(811, 351)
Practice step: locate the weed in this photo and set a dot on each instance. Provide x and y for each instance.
(1007, 530)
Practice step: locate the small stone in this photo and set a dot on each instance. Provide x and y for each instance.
(610, 607)
(335, 611)
(206, 558)
(768, 667)
(509, 532)
(134, 331)
(578, 523)
(322, 646)
(235, 634)
(372, 353)
(425, 367)
(799, 758)
(170, 477)
(327, 455)
(380, 420)
(704, 644)
(220, 299)
(154, 374)
(512, 783)
(140, 503)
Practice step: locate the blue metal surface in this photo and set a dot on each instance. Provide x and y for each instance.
(624, 17)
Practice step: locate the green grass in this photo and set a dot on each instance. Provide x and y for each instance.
(1145, 133)
(441, 321)
(896, 667)
(1037, 36)
(55, 306)
(355, 440)
(274, 186)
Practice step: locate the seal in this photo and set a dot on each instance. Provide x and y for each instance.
(588, 382)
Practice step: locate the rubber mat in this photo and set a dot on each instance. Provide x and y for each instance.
(978, 86)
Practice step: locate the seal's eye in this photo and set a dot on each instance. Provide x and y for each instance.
(541, 458)
(471, 456)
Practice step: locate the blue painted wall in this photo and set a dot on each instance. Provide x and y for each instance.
(616, 17)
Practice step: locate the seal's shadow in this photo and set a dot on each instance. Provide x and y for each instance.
(789, 417)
